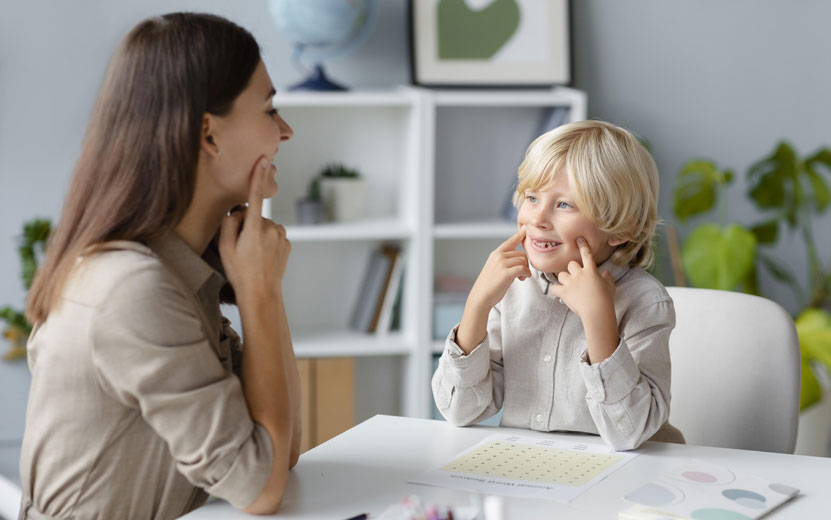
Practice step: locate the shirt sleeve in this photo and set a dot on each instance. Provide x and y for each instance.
(151, 353)
(628, 392)
(468, 389)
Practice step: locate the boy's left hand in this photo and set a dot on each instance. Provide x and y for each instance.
(587, 293)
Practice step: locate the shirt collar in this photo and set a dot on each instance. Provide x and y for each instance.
(543, 279)
(194, 270)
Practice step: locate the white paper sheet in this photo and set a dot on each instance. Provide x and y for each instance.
(533, 467)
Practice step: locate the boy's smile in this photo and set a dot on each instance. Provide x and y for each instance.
(553, 223)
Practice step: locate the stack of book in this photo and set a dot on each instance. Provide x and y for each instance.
(380, 293)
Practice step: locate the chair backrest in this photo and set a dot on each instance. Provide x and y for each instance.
(735, 371)
(10, 495)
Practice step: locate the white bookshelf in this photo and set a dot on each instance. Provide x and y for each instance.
(438, 166)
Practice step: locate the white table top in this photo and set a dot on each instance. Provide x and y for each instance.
(366, 469)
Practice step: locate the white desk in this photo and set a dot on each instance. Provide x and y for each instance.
(366, 469)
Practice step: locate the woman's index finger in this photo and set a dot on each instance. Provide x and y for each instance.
(255, 192)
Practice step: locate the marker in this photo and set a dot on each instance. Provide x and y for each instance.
(362, 516)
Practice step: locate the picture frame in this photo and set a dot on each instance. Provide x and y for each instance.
(490, 43)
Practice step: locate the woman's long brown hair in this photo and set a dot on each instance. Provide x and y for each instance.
(136, 173)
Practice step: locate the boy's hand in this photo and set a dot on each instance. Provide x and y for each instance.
(591, 296)
(504, 264)
(586, 292)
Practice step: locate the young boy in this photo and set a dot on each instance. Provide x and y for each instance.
(571, 334)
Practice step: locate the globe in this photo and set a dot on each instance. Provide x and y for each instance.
(320, 30)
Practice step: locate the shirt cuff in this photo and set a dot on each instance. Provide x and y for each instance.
(613, 378)
(464, 371)
(245, 480)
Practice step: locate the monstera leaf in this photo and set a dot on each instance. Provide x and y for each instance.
(698, 182)
(716, 258)
(814, 329)
(784, 182)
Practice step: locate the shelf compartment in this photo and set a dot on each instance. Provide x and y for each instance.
(370, 229)
(467, 230)
(355, 98)
(346, 343)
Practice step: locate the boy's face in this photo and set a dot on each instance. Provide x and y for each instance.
(552, 225)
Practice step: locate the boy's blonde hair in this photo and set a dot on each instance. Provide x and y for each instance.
(613, 179)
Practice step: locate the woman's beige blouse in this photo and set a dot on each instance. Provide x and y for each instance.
(134, 411)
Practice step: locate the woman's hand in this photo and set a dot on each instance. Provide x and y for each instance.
(254, 250)
(591, 296)
(504, 265)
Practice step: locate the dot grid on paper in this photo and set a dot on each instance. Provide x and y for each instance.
(517, 461)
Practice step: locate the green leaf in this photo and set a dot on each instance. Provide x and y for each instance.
(766, 232)
(718, 259)
(695, 192)
(769, 177)
(810, 392)
(814, 329)
(819, 188)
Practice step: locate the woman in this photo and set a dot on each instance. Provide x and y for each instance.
(134, 409)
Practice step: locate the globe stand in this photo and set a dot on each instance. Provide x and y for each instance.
(317, 80)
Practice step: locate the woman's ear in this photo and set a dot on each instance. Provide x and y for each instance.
(208, 139)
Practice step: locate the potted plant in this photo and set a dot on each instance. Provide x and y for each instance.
(310, 207)
(343, 190)
(789, 191)
(33, 243)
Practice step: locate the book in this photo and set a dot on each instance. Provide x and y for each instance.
(371, 289)
(392, 253)
(391, 294)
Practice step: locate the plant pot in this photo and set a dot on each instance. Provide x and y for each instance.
(309, 211)
(343, 197)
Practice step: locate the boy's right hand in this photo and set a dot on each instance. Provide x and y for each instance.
(504, 265)
(254, 250)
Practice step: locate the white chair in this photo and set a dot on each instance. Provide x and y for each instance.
(735, 371)
(10, 495)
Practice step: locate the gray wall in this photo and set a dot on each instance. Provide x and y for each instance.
(714, 78)
(719, 79)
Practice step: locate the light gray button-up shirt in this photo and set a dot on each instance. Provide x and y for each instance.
(532, 365)
(134, 411)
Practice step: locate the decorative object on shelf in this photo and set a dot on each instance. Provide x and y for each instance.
(33, 243)
(790, 192)
(343, 190)
(321, 30)
(483, 43)
(310, 208)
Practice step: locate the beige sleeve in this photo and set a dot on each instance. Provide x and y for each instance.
(150, 352)
(469, 388)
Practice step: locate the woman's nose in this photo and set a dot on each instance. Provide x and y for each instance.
(286, 131)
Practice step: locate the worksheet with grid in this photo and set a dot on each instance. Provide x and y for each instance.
(528, 467)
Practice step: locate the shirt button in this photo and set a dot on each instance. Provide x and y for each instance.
(547, 358)
(539, 417)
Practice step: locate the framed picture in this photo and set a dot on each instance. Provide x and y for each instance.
(490, 42)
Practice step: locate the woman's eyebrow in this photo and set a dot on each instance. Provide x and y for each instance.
(270, 93)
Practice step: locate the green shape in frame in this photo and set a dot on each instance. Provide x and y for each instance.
(465, 34)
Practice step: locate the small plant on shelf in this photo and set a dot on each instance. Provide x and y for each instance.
(33, 243)
(342, 189)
